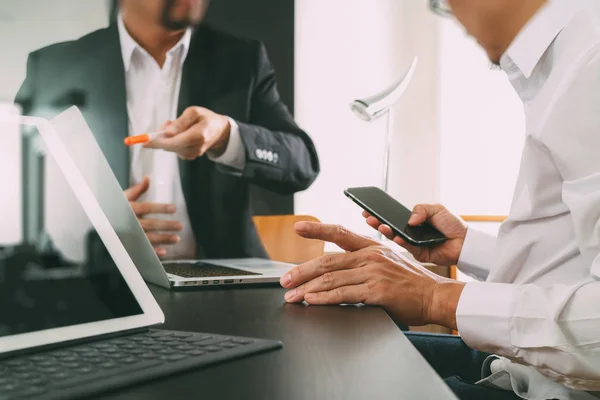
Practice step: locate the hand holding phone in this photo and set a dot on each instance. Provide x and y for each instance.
(390, 212)
(443, 253)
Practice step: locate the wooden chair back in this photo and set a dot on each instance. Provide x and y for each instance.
(281, 241)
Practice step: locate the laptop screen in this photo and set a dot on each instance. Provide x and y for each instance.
(90, 153)
(55, 271)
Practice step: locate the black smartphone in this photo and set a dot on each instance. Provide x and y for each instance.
(387, 210)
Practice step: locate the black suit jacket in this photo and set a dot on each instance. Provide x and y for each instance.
(228, 75)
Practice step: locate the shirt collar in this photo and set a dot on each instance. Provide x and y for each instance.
(530, 45)
(129, 45)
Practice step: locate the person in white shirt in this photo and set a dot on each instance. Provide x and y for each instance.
(530, 327)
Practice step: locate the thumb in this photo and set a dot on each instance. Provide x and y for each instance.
(422, 213)
(134, 192)
(189, 117)
(167, 123)
(169, 129)
(339, 235)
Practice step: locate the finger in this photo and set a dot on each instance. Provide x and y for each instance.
(327, 281)
(190, 154)
(205, 147)
(164, 126)
(187, 157)
(339, 235)
(414, 250)
(134, 192)
(193, 138)
(186, 144)
(386, 231)
(189, 117)
(160, 251)
(423, 212)
(167, 142)
(153, 225)
(317, 267)
(162, 238)
(145, 207)
(366, 214)
(342, 295)
(373, 222)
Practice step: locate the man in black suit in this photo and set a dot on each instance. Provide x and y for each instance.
(214, 98)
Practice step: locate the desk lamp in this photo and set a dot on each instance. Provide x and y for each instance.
(374, 107)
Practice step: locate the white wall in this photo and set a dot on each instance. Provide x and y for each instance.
(482, 128)
(415, 162)
(347, 49)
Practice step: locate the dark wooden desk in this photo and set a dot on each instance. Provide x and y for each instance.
(329, 352)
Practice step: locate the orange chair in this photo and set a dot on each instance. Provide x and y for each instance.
(281, 241)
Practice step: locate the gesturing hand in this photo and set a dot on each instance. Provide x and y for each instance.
(158, 231)
(196, 132)
(449, 224)
(372, 274)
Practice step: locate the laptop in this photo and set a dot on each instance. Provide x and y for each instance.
(79, 141)
(73, 321)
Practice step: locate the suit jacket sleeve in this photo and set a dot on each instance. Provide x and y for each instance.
(279, 156)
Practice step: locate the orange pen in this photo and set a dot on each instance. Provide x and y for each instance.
(142, 139)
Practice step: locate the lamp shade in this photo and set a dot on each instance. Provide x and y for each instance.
(373, 107)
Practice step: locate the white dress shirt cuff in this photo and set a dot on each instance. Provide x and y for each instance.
(476, 254)
(483, 316)
(235, 153)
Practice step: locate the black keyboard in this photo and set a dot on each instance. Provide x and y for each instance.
(105, 365)
(200, 270)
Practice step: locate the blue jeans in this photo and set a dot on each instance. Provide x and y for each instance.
(457, 364)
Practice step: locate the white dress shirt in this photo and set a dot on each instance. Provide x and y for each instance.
(152, 99)
(539, 308)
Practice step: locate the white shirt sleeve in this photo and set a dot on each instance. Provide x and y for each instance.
(554, 327)
(474, 259)
(235, 153)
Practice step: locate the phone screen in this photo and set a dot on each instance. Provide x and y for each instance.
(382, 206)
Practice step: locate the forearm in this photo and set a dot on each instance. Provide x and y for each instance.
(474, 261)
(444, 302)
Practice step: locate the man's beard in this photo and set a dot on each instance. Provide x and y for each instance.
(171, 24)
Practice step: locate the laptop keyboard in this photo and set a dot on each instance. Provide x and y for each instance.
(201, 270)
(89, 368)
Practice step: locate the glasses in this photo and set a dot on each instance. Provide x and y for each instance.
(440, 7)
